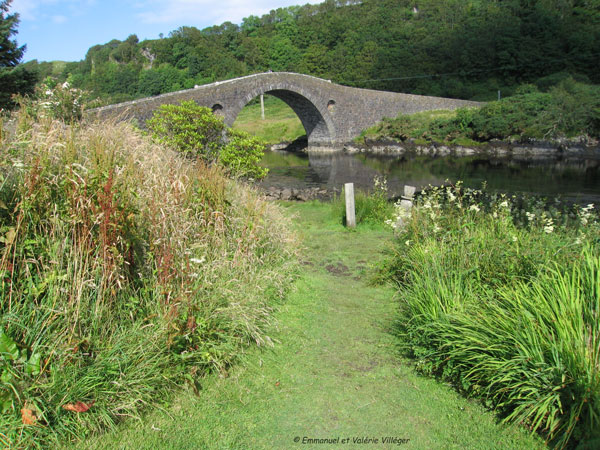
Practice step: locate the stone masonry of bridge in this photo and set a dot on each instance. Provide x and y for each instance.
(331, 114)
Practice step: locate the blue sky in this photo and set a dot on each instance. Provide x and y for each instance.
(65, 29)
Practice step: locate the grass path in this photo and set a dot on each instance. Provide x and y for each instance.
(333, 373)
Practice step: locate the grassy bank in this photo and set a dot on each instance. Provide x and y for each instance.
(126, 271)
(566, 110)
(281, 124)
(501, 297)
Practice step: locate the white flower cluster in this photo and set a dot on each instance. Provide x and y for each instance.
(401, 216)
(530, 216)
(60, 101)
(548, 225)
(585, 214)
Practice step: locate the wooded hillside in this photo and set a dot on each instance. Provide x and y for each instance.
(456, 48)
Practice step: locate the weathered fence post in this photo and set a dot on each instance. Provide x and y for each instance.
(406, 204)
(262, 106)
(350, 215)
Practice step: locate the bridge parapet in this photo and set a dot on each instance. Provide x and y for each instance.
(330, 113)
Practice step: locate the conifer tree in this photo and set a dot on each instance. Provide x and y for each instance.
(14, 79)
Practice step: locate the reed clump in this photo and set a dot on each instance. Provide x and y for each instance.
(126, 270)
(501, 296)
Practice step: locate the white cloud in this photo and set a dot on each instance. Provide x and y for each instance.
(191, 12)
(29, 9)
(34, 10)
(59, 19)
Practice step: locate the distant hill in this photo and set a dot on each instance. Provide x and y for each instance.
(456, 48)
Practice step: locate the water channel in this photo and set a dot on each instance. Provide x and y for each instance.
(575, 180)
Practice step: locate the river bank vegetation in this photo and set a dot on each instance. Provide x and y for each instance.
(500, 296)
(126, 270)
(463, 49)
(567, 110)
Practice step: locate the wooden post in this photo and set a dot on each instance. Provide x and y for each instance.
(406, 204)
(262, 106)
(350, 215)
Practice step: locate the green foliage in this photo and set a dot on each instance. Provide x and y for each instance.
(454, 49)
(55, 101)
(124, 273)
(14, 79)
(195, 131)
(569, 109)
(10, 53)
(242, 154)
(500, 296)
(191, 129)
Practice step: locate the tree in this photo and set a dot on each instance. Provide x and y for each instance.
(10, 52)
(14, 79)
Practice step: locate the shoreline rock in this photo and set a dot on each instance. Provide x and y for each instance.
(581, 147)
(303, 195)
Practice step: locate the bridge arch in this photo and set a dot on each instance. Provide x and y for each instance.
(331, 114)
(316, 118)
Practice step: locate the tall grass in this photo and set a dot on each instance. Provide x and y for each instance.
(125, 271)
(505, 302)
(370, 207)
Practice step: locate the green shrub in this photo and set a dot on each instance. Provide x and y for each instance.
(242, 154)
(568, 109)
(189, 128)
(501, 297)
(511, 116)
(55, 101)
(196, 132)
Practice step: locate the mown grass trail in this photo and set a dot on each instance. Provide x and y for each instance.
(333, 373)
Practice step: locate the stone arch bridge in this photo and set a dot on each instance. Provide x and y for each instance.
(330, 113)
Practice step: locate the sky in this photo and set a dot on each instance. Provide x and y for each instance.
(65, 29)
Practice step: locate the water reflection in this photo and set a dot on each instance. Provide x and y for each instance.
(575, 179)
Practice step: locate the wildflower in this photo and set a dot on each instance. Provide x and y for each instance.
(198, 261)
(549, 226)
(451, 196)
(474, 208)
(530, 216)
(504, 204)
(392, 223)
(585, 214)
(49, 92)
(407, 243)
(65, 85)
(514, 239)
(436, 229)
